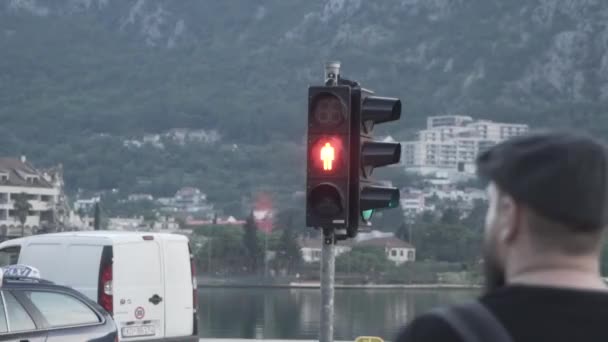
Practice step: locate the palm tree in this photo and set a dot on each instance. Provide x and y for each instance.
(22, 208)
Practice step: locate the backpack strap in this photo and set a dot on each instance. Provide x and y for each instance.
(473, 322)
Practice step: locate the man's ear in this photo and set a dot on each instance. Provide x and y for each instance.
(511, 214)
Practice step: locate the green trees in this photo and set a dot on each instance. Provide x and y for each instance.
(288, 256)
(220, 250)
(448, 237)
(236, 250)
(363, 260)
(22, 208)
(251, 242)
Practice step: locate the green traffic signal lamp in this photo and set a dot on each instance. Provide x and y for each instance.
(366, 215)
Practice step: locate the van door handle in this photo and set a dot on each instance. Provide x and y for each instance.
(155, 299)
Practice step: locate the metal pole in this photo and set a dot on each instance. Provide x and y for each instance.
(328, 269)
(265, 254)
(328, 257)
(209, 257)
(97, 222)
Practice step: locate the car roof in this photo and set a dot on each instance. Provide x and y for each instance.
(18, 282)
(107, 236)
(15, 283)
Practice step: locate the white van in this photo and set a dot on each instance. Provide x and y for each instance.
(145, 280)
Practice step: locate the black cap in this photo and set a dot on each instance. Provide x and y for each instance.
(561, 175)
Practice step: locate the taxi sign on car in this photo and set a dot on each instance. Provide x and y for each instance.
(20, 271)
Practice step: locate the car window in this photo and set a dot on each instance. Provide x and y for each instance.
(18, 318)
(9, 256)
(61, 310)
(3, 326)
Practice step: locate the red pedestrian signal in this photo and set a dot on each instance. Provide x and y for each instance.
(327, 156)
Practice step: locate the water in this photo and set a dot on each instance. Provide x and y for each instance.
(294, 313)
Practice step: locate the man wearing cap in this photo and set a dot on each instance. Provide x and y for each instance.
(548, 198)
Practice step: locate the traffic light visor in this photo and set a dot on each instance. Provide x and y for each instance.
(381, 109)
(377, 197)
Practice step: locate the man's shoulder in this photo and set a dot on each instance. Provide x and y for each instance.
(428, 327)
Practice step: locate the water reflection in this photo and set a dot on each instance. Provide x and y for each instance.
(294, 313)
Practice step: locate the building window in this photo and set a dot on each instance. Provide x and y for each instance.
(410, 255)
(393, 253)
(401, 253)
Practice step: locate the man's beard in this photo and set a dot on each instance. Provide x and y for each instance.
(494, 273)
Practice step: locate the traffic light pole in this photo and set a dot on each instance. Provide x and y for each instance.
(328, 271)
(328, 256)
(341, 156)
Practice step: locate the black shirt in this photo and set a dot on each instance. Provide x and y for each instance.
(530, 314)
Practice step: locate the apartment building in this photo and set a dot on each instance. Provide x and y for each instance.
(448, 121)
(413, 203)
(453, 142)
(17, 177)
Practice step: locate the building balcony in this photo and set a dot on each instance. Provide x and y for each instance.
(38, 205)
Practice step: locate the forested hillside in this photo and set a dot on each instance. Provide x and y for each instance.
(79, 77)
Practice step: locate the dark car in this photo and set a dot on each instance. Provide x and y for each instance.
(32, 309)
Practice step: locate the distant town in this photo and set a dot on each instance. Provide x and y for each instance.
(33, 200)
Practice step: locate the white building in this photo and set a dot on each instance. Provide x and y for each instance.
(413, 203)
(19, 177)
(86, 205)
(188, 200)
(165, 223)
(396, 250)
(140, 197)
(467, 195)
(448, 120)
(452, 142)
(127, 224)
(311, 249)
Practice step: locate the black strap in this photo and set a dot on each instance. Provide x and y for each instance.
(474, 323)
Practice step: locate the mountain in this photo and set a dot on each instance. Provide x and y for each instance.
(78, 77)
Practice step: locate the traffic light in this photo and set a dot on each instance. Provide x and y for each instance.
(328, 154)
(366, 194)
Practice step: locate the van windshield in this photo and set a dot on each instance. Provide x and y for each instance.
(9, 256)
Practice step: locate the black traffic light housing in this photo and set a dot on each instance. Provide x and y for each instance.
(342, 154)
(328, 156)
(366, 194)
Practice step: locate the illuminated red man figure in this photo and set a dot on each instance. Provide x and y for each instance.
(327, 156)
